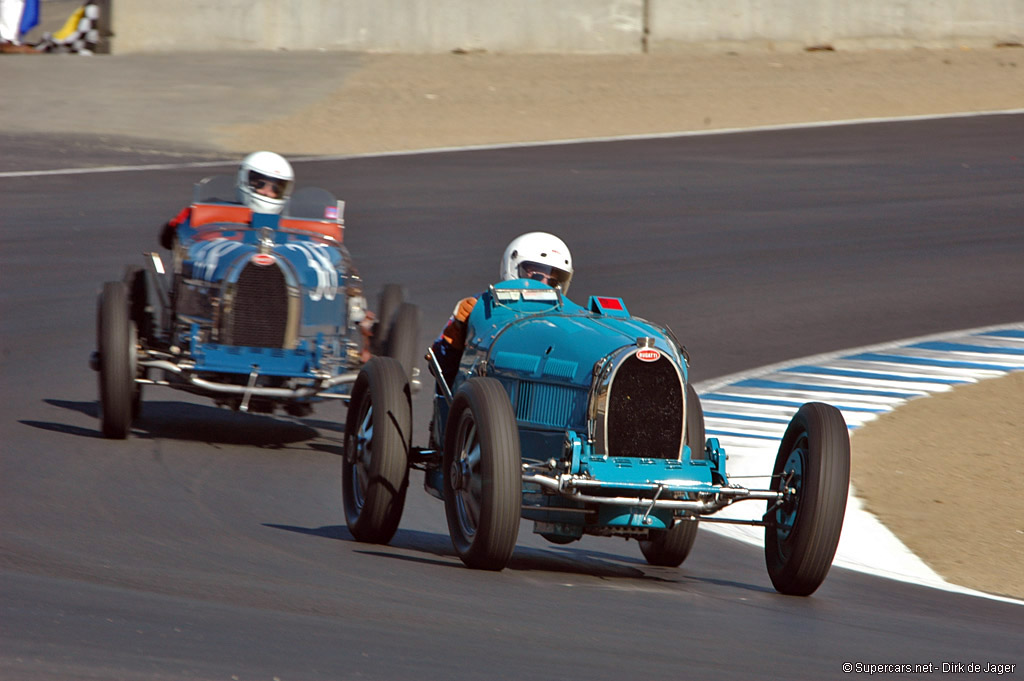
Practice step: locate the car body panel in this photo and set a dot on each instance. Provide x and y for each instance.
(258, 311)
(557, 360)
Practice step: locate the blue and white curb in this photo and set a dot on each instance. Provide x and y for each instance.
(749, 412)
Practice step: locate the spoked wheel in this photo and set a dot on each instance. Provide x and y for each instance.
(116, 341)
(802, 533)
(482, 475)
(669, 548)
(391, 298)
(403, 338)
(378, 433)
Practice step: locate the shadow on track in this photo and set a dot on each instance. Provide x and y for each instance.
(337, 426)
(194, 422)
(555, 560)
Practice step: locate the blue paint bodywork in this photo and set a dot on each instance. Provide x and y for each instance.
(302, 288)
(550, 354)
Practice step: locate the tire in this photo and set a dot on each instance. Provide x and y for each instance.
(404, 337)
(140, 311)
(559, 539)
(801, 535)
(116, 341)
(482, 475)
(669, 548)
(378, 432)
(391, 297)
(140, 304)
(695, 436)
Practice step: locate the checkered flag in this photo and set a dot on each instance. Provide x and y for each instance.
(80, 34)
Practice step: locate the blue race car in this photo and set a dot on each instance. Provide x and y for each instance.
(257, 311)
(582, 419)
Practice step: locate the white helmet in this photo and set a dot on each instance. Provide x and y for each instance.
(538, 255)
(265, 181)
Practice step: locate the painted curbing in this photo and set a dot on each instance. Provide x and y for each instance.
(748, 413)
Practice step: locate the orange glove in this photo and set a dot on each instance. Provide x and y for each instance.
(455, 332)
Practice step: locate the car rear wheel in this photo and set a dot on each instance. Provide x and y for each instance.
(802, 533)
(403, 338)
(482, 475)
(669, 548)
(378, 433)
(391, 297)
(559, 539)
(695, 436)
(116, 341)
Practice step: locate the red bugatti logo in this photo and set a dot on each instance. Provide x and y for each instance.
(648, 355)
(262, 259)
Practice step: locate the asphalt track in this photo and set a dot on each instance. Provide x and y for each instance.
(212, 545)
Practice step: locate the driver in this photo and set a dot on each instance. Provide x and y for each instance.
(264, 183)
(536, 255)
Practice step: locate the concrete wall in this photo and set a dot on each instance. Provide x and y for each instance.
(842, 24)
(581, 26)
(379, 25)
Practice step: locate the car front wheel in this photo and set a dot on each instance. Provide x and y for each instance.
(482, 475)
(116, 341)
(378, 431)
(813, 469)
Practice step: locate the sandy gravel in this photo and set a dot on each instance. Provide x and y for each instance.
(396, 102)
(945, 475)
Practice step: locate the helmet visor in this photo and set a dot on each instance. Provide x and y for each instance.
(264, 185)
(552, 276)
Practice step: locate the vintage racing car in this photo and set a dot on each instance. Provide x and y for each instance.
(257, 311)
(582, 419)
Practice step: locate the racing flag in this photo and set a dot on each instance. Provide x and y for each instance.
(29, 16)
(80, 33)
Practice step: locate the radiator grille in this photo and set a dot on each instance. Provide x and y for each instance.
(645, 410)
(259, 308)
(550, 405)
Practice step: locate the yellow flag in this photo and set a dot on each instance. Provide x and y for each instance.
(71, 25)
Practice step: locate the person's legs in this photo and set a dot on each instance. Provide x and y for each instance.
(10, 28)
(10, 20)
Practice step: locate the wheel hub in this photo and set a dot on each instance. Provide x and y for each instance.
(460, 474)
(792, 479)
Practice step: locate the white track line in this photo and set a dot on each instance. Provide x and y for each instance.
(516, 145)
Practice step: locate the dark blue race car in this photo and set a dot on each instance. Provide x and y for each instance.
(257, 311)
